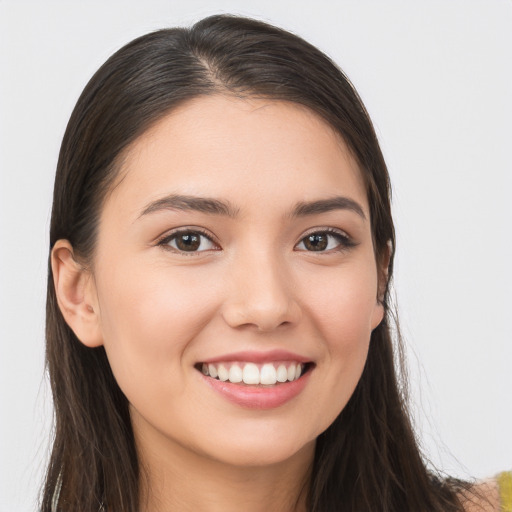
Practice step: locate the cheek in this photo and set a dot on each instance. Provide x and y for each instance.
(343, 304)
(149, 315)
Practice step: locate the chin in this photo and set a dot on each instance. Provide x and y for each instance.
(264, 449)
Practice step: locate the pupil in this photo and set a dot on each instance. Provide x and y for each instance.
(316, 242)
(188, 242)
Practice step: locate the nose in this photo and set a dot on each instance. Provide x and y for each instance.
(261, 295)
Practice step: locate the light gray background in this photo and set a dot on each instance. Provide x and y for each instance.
(436, 77)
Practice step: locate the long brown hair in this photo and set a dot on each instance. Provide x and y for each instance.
(368, 459)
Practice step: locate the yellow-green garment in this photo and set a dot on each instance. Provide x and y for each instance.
(505, 482)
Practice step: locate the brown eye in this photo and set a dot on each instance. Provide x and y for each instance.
(188, 241)
(322, 241)
(316, 242)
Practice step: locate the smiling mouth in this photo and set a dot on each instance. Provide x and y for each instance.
(252, 374)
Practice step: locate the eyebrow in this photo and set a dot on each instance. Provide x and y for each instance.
(303, 209)
(224, 208)
(190, 203)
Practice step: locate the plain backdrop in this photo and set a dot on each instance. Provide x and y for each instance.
(436, 77)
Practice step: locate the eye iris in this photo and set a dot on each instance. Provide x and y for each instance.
(188, 242)
(316, 242)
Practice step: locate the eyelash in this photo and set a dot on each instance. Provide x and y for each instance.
(167, 239)
(344, 242)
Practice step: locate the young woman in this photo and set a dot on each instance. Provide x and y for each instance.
(218, 324)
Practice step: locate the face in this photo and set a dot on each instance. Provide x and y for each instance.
(235, 281)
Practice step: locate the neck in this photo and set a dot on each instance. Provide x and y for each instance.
(175, 479)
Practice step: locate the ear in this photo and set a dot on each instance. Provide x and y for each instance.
(76, 294)
(378, 314)
(383, 271)
(382, 277)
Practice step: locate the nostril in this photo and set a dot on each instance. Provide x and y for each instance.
(260, 318)
(263, 301)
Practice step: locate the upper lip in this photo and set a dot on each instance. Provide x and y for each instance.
(258, 357)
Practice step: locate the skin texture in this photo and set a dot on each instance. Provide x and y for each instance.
(484, 498)
(255, 287)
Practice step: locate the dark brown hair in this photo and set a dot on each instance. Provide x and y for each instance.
(368, 459)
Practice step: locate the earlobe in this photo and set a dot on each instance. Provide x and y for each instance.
(378, 315)
(76, 295)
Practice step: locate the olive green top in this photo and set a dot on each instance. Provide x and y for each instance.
(505, 484)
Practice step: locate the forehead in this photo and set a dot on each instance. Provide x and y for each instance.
(238, 149)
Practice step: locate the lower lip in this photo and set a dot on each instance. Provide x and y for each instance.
(258, 397)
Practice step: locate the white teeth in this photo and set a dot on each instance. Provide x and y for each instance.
(223, 374)
(291, 372)
(212, 371)
(251, 374)
(235, 374)
(282, 373)
(268, 374)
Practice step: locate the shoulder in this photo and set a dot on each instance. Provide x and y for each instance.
(493, 495)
